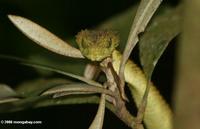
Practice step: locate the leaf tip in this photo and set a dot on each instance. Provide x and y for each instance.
(16, 20)
(12, 17)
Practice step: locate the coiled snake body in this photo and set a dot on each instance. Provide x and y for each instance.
(158, 115)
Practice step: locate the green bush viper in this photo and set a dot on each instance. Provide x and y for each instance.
(97, 45)
(158, 115)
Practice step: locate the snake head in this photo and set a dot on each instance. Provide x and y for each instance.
(96, 45)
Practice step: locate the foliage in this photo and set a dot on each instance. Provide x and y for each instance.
(37, 93)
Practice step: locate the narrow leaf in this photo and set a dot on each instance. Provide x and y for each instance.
(32, 64)
(144, 13)
(7, 94)
(44, 38)
(99, 118)
(37, 86)
(88, 81)
(64, 94)
(7, 100)
(6, 91)
(153, 44)
(75, 88)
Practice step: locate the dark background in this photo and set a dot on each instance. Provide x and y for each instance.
(65, 18)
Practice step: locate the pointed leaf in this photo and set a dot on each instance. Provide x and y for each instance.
(31, 64)
(7, 94)
(37, 86)
(6, 91)
(91, 82)
(35, 101)
(144, 13)
(33, 88)
(152, 45)
(44, 38)
(99, 118)
(157, 37)
(74, 88)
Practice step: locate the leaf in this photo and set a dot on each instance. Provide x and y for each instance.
(7, 94)
(35, 101)
(32, 89)
(76, 88)
(44, 101)
(152, 45)
(157, 37)
(37, 86)
(99, 118)
(32, 64)
(144, 13)
(72, 65)
(44, 38)
(91, 82)
(6, 91)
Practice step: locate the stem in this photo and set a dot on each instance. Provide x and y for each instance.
(119, 109)
(125, 116)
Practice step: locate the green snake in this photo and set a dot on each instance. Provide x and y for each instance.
(97, 45)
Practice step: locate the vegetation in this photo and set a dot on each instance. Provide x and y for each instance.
(96, 72)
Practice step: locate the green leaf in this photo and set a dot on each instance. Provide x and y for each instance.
(6, 91)
(158, 35)
(7, 94)
(72, 65)
(39, 66)
(31, 91)
(152, 44)
(91, 82)
(37, 86)
(44, 101)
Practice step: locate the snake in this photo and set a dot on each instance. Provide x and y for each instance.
(99, 44)
(96, 46)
